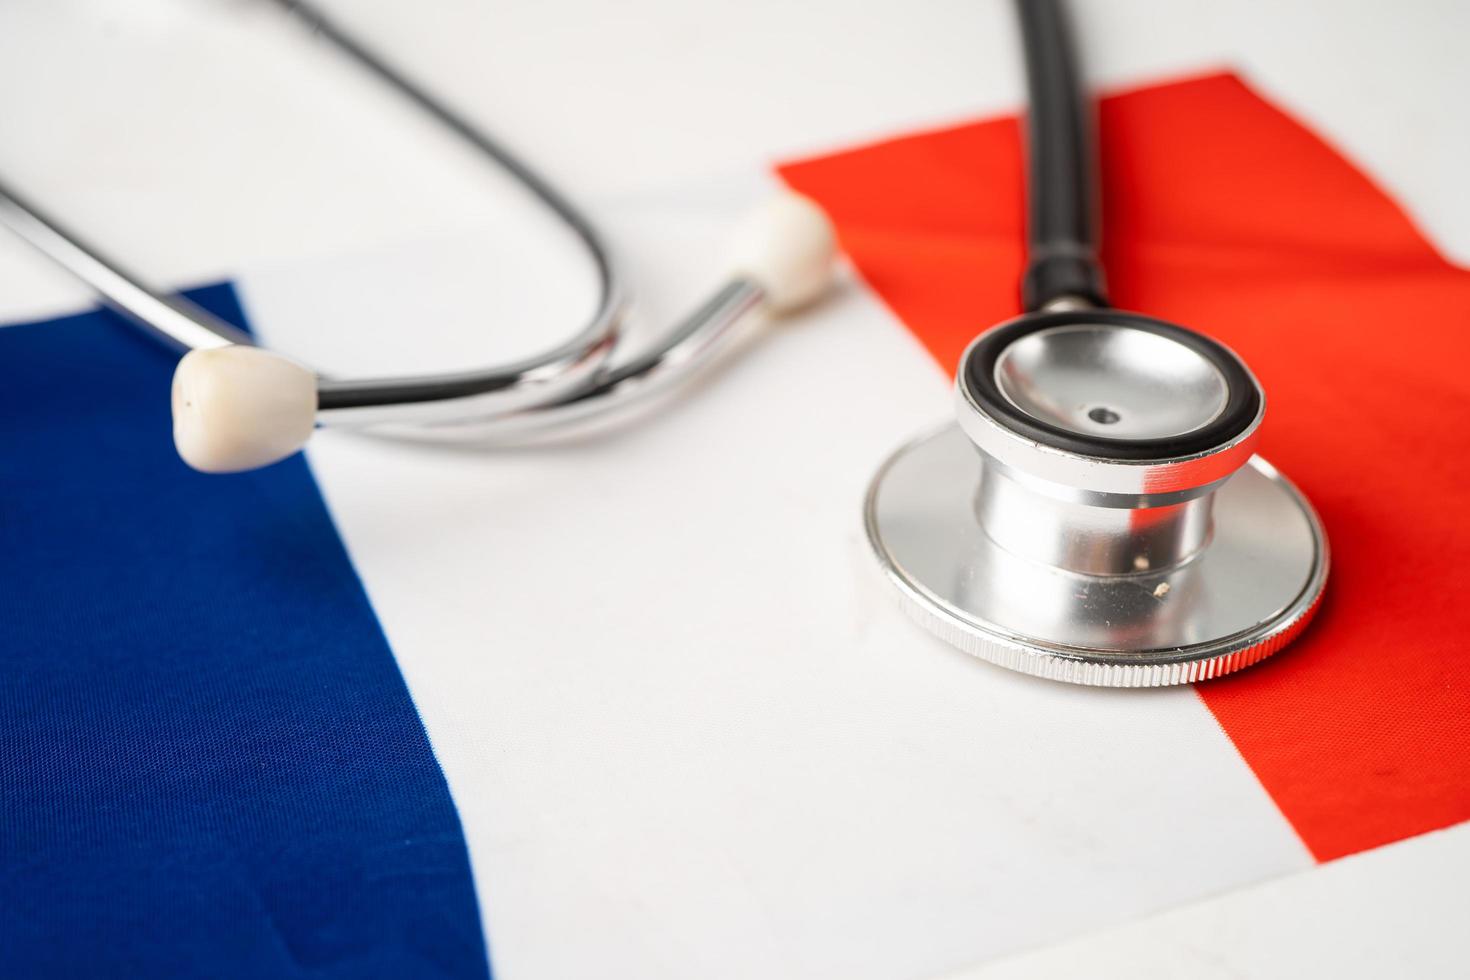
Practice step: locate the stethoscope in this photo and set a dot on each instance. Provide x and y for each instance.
(1096, 514)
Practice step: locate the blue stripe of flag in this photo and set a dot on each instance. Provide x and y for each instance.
(209, 762)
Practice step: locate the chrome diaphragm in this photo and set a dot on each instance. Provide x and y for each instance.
(1096, 514)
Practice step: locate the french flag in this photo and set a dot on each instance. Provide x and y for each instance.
(638, 707)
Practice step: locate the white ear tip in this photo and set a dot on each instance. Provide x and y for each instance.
(788, 246)
(237, 408)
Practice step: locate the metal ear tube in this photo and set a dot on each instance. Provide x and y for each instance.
(239, 407)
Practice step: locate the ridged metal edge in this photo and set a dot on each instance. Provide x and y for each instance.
(1079, 669)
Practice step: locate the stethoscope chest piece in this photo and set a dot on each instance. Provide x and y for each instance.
(1097, 515)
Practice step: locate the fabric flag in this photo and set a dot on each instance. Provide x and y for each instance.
(635, 707)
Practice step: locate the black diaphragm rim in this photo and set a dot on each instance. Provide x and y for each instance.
(1242, 404)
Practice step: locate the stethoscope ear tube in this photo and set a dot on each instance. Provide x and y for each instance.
(1062, 216)
(172, 320)
(237, 407)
